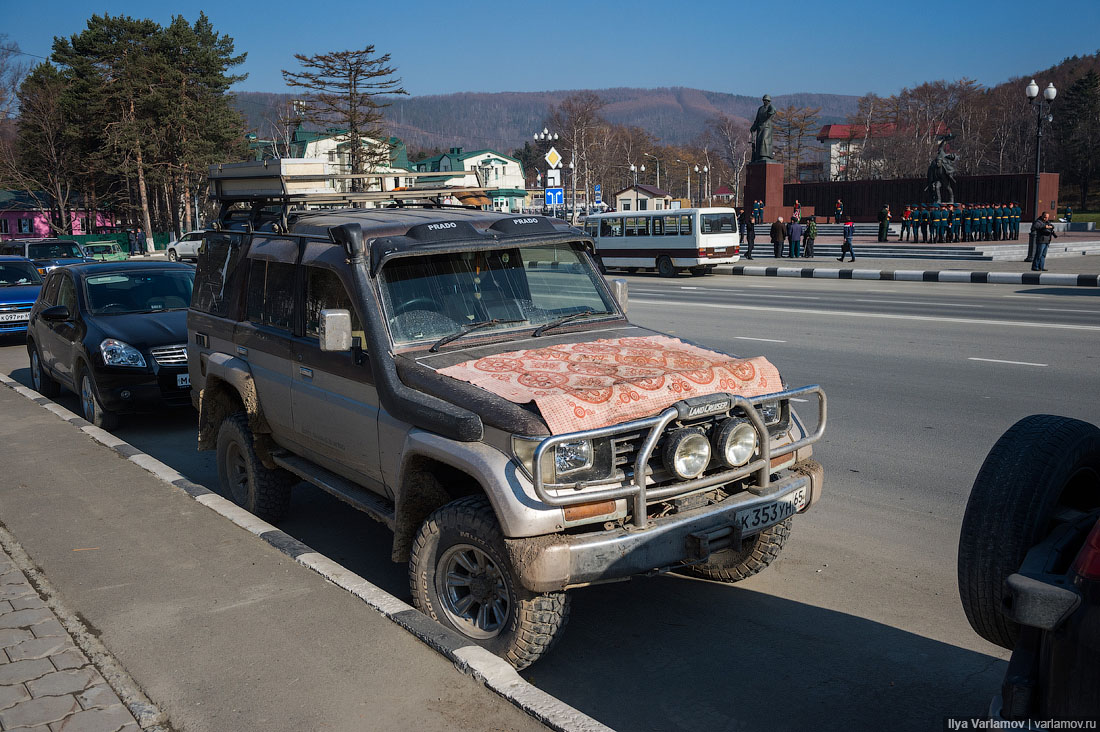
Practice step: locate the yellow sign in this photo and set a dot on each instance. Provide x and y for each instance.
(553, 158)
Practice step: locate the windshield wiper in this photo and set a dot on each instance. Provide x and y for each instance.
(470, 328)
(565, 319)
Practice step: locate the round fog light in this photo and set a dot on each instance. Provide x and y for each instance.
(687, 453)
(125, 394)
(735, 442)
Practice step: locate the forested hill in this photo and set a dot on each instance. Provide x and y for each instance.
(504, 120)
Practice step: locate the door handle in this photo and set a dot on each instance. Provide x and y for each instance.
(308, 373)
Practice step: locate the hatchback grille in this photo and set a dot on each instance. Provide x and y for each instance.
(169, 355)
(16, 308)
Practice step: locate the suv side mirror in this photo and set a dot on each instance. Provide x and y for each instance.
(618, 289)
(55, 313)
(335, 328)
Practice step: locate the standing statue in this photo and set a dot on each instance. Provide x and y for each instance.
(761, 131)
(941, 174)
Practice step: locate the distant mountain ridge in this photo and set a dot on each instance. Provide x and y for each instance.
(504, 120)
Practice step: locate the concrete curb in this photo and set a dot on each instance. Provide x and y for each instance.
(495, 673)
(917, 275)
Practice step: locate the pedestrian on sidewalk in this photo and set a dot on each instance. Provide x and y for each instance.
(750, 235)
(741, 226)
(838, 211)
(1043, 230)
(778, 234)
(811, 234)
(795, 236)
(849, 231)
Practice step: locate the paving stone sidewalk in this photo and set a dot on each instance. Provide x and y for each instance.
(46, 683)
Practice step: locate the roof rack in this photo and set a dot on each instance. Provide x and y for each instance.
(308, 181)
(288, 183)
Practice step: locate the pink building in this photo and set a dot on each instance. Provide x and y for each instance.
(21, 217)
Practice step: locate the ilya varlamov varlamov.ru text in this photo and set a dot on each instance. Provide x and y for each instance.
(969, 723)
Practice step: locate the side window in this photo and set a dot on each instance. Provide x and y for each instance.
(658, 226)
(66, 295)
(325, 291)
(221, 255)
(271, 293)
(671, 225)
(685, 226)
(49, 292)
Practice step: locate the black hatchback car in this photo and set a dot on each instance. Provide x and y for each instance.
(114, 333)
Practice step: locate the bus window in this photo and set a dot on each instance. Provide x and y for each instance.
(718, 224)
(611, 227)
(658, 228)
(685, 226)
(637, 226)
(671, 225)
(592, 228)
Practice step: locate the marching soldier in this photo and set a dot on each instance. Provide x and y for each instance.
(965, 216)
(956, 223)
(922, 220)
(1017, 212)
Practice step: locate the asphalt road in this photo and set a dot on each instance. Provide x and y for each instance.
(858, 625)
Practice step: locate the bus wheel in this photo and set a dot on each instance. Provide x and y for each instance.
(665, 268)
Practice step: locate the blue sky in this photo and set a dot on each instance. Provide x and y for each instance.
(733, 46)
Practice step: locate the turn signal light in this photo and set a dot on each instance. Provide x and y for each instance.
(588, 510)
(1087, 564)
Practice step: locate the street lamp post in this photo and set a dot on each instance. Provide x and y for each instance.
(573, 184)
(1041, 105)
(545, 136)
(658, 161)
(688, 166)
(701, 172)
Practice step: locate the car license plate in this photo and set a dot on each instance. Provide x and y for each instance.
(757, 518)
(13, 317)
(183, 380)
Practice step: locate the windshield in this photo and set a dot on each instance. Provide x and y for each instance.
(101, 248)
(138, 292)
(719, 223)
(18, 273)
(54, 250)
(429, 297)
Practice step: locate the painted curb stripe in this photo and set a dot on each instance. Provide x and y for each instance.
(906, 275)
(474, 661)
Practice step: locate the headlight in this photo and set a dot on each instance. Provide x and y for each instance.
(771, 412)
(566, 458)
(735, 442)
(117, 353)
(687, 453)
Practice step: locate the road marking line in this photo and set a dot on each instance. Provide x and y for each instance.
(918, 302)
(765, 340)
(1068, 310)
(883, 316)
(1014, 363)
(684, 287)
(87, 549)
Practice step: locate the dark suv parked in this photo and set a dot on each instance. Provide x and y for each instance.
(470, 379)
(113, 333)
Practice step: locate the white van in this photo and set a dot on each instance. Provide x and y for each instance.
(670, 241)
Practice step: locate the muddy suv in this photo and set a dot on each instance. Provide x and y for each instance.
(469, 379)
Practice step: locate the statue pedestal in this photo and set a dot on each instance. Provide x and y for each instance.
(764, 182)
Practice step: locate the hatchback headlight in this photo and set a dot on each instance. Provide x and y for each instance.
(735, 442)
(117, 353)
(564, 459)
(687, 453)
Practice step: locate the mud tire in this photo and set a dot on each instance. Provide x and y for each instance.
(244, 478)
(533, 621)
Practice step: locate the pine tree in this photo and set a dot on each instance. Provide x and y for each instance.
(1081, 138)
(347, 89)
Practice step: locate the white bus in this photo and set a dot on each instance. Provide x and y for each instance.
(670, 241)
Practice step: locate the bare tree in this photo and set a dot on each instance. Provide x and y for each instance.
(576, 120)
(347, 90)
(732, 138)
(12, 72)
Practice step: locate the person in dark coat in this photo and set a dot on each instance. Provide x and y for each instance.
(811, 234)
(846, 246)
(838, 211)
(748, 226)
(1043, 230)
(883, 222)
(794, 234)
(778, 234)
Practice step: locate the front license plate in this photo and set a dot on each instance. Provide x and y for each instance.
(13, 317)
(183, 380)
(757, 518)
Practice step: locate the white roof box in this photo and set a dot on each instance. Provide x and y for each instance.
(274, 178)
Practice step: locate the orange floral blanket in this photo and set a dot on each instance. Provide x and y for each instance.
(580, 386)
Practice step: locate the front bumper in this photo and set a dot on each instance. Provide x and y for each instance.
(141, 391)
(556, 562)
